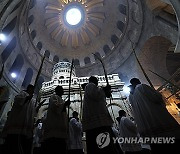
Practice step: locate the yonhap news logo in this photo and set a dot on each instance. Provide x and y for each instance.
(144, 140)
(103, 140)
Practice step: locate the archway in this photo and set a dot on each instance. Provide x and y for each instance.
(153, 57)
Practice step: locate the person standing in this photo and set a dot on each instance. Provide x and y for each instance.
(128, 130)
(18, 129)
(55, 125)
(152, 117)
(37, 137)
(96, 120)
(116, 136)
(75, 135)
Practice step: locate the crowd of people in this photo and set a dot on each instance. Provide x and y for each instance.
(56, 133)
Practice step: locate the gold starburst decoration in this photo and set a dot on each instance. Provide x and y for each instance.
(64, 33)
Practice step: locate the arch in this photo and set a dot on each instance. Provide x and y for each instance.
(47, 53)
(122, 9)
(97, 55)
(30, 19)
(87, 60)
(8, 50)
(114, 104)
(153, 57)
(76, 62)
(10, 26)
(156, 4)
(120, 26)
(114, 39)
(56, 59)
(17, 65)
(33, 34)
(106, 49)
(39, 45)
(61, 77)
(27, 78)
(115, 107)
(32, 3)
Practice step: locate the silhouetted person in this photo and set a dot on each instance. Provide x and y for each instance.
(18, 129)
(96, 119)
(128, 130)
(75, 135)
(152, 117)
(116, 136)
(55, 126)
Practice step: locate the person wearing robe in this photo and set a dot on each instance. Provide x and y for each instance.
(116, 136)
(128, 130)
(37, 137)
(4, 97)
(75, 135)
(55, 125)
(96, 120)
(18, 129)
(152, 117)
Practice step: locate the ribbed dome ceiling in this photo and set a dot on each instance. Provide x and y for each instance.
(102, 21)
(106, 28)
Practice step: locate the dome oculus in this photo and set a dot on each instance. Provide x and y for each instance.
(73, 16)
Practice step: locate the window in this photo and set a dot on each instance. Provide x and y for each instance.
(106, 49)
(56, 59)
(17, 65)
(114, 39)
(8, 50)
(27, 78)
(122, 9)
(47, 53)
(39, 45)
(87, 60)
(97, 55)
(9, 27)
(32, 3)
(61, 77)
(30, 19)
(33, 34)
(120, 26)
(76, 62)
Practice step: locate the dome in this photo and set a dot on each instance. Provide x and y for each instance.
(133, 38)
(98, 31)
(85, 30)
